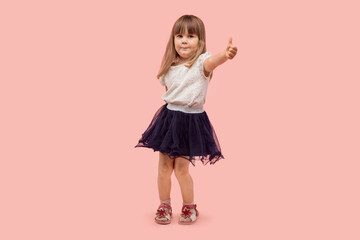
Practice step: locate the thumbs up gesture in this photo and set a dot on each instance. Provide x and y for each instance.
(231, 50)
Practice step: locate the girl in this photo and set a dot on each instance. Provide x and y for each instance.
(181, 130)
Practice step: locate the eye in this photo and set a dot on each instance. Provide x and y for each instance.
(179, 35)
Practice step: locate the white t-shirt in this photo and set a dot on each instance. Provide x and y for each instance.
(187, 87)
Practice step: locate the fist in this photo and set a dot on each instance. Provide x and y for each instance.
(231, 50)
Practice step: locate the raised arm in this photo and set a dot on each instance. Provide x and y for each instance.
(212, 62)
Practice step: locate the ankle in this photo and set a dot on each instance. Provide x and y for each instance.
(168, 201)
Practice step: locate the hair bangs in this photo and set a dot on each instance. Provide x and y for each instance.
(186, 25)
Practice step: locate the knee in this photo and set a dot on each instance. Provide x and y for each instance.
(181, 172)
(165, 170)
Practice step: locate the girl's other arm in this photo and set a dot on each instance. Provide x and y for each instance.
(212, 62)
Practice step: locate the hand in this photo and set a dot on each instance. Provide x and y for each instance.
(231, 50)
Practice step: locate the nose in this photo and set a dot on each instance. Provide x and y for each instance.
(184, 40)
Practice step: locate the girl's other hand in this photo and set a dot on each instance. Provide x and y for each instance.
(231, 50)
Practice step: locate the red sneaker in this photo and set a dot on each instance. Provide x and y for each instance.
(189, 214)
(163, 214)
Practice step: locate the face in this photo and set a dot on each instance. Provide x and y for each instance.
(186, 45)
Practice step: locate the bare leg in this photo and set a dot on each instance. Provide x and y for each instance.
(166, 167)
(181, 169)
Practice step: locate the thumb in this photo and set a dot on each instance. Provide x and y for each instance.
(230, 40)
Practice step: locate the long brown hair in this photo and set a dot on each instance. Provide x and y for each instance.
(191, 24)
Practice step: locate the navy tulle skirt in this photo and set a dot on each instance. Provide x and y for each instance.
(179, 134)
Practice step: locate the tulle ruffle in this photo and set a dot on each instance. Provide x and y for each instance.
(179, 134)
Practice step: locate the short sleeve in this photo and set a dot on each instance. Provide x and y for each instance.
(200, 63)
(161, 79)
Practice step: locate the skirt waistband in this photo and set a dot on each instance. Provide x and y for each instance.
(186, 109)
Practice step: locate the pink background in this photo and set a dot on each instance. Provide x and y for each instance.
(78, 87)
